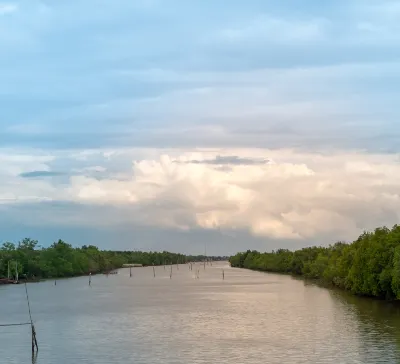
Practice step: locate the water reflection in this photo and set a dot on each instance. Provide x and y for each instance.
(249, 317)
(34, 357)
(378, 325)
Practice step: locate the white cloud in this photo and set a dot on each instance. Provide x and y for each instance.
(8, 8)
(268, 28)
(296, 196)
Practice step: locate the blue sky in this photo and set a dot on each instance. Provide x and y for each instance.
(100, 97)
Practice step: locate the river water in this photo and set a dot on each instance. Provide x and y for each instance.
(250, 317)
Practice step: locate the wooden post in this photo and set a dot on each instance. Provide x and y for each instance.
(223, 274)
(130, 271)
(154, 271)
(55, 282)
(34, 336)
(33, 341)
(90, 278)
(34, 358)
(170, 274)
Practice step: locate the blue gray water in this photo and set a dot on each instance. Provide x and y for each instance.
(249, 317)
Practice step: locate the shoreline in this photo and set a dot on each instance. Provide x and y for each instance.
(6, 281)
(323, 284)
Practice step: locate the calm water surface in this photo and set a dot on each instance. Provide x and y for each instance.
(250, 317)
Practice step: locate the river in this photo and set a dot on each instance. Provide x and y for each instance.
(250, 318)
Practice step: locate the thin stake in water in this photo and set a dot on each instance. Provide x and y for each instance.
(16, 271)
(34, 341)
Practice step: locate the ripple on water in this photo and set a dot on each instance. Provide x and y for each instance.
(250, 317)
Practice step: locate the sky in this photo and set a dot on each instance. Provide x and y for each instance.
(174, 124)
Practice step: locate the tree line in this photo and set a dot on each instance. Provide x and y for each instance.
(63, 260)
(368, 266)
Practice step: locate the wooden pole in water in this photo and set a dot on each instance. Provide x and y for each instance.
(130, 271)
(154, 271)
(34, 341)
(223, 274)
(90, 278)
(16, 271)
(170, 274)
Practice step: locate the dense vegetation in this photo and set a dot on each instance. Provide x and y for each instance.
(369, 266)
(63, 260)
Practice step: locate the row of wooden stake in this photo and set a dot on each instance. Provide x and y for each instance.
(197, 276)
(177, 267)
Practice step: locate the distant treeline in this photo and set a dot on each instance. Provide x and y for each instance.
(369, 266)
(63, 260)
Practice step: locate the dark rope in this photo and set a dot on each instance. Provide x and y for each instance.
(21, 324)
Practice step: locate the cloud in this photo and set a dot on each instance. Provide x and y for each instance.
(285, 88)
(295, 196)
(8, 8)
(263, 122)
(229, 160)
(276, 30)
(35, 174)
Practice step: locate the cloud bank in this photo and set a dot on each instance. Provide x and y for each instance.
(305, 197)
(256, 124)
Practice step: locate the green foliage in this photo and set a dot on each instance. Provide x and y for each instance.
(63, 260)
(369, 266)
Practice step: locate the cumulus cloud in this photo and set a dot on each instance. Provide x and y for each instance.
(295, 83)
(301, 196)
(294, 196)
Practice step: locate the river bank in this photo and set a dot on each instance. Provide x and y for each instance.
(61, 260)
(369, 266)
